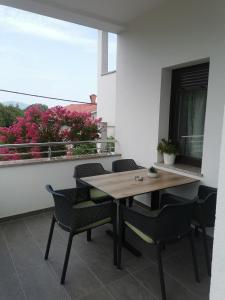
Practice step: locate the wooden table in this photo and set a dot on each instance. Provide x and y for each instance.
(123, 185)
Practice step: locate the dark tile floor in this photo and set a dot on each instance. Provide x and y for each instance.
(24, 274)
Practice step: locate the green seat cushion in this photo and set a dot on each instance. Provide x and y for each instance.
(141, 234)
(84, 204)
(95, 224)
(97, 194)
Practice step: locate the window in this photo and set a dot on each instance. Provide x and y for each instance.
(112, 49)
(187, 112)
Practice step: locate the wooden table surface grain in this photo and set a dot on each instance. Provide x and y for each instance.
(122, 184)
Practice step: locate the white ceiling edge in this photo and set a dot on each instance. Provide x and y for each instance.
(53, 11)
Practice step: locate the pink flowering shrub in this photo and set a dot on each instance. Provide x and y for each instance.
(53, 125)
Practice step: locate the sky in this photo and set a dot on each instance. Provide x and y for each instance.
(45, 56)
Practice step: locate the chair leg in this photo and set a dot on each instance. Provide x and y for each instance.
(114, 242)
(194, 258)
(66, 258)
(89, 235)
(208, 264)
(131, 201)
(120, 238)
(161, 275)
(196, 230)
(50, 237)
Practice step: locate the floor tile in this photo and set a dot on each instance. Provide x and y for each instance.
(10, 288)
(150, 278)
(79, 280)
(24, 251)
(39, 283)
(127, 288)
(101, 294)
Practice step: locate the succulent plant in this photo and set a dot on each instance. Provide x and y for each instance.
(152, 170)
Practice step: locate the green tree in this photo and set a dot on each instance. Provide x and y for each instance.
(8, 114)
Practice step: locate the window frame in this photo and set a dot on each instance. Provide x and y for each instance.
(174, 107)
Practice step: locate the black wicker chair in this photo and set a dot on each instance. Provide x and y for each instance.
(123, 165)
(75, 215)
(91, 169)
(204, 216)
(203, 213)
(158, 228)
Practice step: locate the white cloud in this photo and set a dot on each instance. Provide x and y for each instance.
(45, 27)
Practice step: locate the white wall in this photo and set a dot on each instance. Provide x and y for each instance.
(174, 33)
(217, 290)
(23, 187)
(107, 98)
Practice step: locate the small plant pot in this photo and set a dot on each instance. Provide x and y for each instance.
(169, 159)
(153, 175)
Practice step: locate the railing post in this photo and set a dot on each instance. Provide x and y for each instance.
(103, 139)
(49, 152)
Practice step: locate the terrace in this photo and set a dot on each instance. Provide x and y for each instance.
(158, 41)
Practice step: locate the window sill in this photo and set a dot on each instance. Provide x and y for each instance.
(186, 170)
(108, 73)
(35, 161)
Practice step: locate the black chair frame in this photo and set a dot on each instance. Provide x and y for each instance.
(57, 218)
(142, 221)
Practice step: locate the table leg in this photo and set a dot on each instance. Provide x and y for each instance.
(126, 244)
(155, 200)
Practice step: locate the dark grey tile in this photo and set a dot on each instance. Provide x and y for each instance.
(148, 251)
(101, 294)
(127, 288)
(181, 267)
(39, 283)
(182, 248)
(39, 227)
(150, 278)
(7, 268)
(98, 256)
(101, 262)
(135, 264)
(24, 251)
(79, 280)
(9, 283)
(10, 288)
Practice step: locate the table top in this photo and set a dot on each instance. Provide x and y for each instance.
(123, 184)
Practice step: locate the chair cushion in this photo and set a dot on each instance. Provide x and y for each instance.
(141, 234)
(84, 204)
(93, 225)
(98, 196)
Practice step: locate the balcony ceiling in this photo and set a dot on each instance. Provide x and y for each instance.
(108, 15)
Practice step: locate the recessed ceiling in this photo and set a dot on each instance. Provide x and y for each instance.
(108, 15)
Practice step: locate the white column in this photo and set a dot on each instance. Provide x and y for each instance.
(102, 52)
(217, 289)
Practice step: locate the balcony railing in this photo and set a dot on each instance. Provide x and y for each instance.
(52, 150)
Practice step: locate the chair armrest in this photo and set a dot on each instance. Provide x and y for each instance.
(75, 195)
(84, 216)
(167, 199)
(143, 219)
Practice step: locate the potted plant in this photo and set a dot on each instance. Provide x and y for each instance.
(152, 172)
(168, 150)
